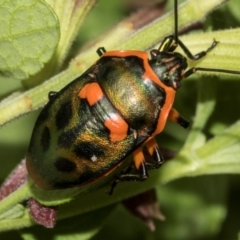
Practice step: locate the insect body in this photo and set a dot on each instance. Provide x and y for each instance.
(113, 110)
(94, 123)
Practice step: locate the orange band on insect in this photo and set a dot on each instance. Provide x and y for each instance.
(92, 92)
(117, 126)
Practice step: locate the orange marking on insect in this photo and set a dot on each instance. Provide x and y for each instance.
(117, 126)
(92, 92)
(170, 96)
(163, 116)
(138, 158)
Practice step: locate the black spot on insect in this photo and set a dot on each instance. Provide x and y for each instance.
(43, 116)
(66, 139)
(45, 139)
(83, 107)
(65, 165)
(64, 115)
(85, 177)
(88, 151)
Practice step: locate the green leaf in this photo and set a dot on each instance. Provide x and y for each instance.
(217, 156)
(194, 208)
(15, 212)
(29, 34)
(234, 6)
(6, 204)
(71, 15)
(81, 227)
(190, 214)
(205, 107)
(223, 56)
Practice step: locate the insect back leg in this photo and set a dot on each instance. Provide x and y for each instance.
(151, 160)
(144, 159)
(136, 172)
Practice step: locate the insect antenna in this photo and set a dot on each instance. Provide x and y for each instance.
(177, 42)
(176, 22)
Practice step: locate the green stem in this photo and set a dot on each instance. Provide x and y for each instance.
(205, 107)
(19, 223)
(22, 193)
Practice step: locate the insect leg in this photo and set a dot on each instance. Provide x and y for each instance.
(174, 116)
(198, 55)
(168, 44)
(129, 177)
(52, 95)
(140, 166)
(155, 153)
(195, 69)
(101, 51)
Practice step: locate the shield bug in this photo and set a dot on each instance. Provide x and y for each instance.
(114, 109)
(88, 129)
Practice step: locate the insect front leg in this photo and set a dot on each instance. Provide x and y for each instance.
(101, 51)
(198, 55)
(168, 44)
